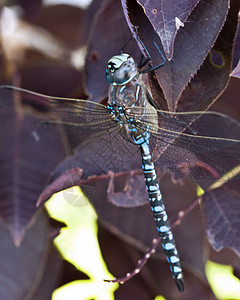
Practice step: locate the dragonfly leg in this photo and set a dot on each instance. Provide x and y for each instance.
(144, 62)
(179, 284)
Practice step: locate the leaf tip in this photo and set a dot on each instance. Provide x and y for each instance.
(17, 236)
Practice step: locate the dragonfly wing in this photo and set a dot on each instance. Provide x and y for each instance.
(75, 118)
(204, 145)
(86, 127)
(100, 154)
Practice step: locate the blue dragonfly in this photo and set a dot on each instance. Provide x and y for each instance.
(172, 141)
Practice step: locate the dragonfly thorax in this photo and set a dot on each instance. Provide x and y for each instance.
(121, 69)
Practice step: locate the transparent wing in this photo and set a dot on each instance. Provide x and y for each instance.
(82, 124)
(75, 112)
(76, 118)
(205, 145)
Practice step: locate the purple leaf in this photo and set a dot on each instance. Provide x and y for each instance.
(163, 14)
(212, 78)
(26, 146)
(236, 54)
(50, 277)
(192, 45)
(221, 208)
(21, 268)
(236, 71)
(127, 191)
(228, 103)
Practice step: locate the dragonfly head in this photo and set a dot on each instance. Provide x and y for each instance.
(121, 69)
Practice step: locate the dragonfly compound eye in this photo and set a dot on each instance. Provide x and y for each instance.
(121, 69)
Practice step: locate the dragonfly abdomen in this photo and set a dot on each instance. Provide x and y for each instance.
(159, 212)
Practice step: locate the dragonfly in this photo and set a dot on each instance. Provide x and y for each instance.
(170, 141)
